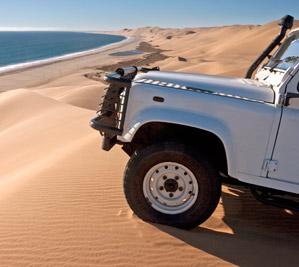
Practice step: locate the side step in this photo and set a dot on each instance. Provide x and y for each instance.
(276, 198)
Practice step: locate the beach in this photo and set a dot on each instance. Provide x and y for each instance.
(61, 196)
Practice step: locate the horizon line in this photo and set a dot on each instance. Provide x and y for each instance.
(20, 29)
(13, 28)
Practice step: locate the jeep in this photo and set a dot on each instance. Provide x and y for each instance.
(186, 134)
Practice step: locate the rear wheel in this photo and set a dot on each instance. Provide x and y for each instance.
(170, 184)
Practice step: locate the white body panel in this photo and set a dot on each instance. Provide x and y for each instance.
(246, 115)
(232, 120)
(286, 150)
(245, 88)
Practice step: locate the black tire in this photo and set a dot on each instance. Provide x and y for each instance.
(208, 182)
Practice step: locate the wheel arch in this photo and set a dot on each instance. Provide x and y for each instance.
(207, 142)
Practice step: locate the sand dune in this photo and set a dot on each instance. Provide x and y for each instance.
(30, 117)
(219, 50)
(74, 89)
(61, 203)
(61, 199)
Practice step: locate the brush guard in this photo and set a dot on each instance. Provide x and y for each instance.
(112, 112)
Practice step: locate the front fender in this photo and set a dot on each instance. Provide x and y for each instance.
(181, 117)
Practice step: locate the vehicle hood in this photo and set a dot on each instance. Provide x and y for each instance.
(245, 89)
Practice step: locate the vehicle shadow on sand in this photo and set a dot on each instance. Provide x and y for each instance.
(261, 235)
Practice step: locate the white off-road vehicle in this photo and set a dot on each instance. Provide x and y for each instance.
(188, 133)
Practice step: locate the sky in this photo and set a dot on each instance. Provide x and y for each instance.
(118, 14)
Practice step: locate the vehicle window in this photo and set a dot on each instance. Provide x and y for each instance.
(292, 50)
(289, 57)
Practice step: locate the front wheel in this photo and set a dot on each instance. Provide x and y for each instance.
(169, 184)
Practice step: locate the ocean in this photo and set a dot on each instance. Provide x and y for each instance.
(23, 48)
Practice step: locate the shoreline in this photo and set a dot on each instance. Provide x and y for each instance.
(42, 72)
(38, 63)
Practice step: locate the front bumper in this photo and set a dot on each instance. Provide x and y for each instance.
(109, 134)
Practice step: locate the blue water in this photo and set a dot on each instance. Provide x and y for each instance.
(23, 47)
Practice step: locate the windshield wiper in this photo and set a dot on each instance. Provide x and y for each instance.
(291, 58)
(276, 62)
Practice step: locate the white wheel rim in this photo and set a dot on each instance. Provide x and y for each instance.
(170, 188)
